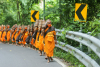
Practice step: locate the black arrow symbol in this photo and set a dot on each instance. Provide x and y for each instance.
(33, 15)
(78, 12)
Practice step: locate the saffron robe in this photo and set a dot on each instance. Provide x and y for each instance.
(3, 36)
(24, 38)
(0, 35)
(49, 41)
(41, 44)
(8, 35)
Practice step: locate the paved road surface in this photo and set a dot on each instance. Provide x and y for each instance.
(17, 56)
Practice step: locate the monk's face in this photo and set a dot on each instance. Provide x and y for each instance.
(12, 30)
(49, 24)
(21, 31)
(39, 28)
(42, 30)
(30, 33)
(35, 28)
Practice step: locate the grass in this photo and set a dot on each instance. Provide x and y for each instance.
(67, 57)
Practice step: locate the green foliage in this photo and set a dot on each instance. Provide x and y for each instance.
(17, 11)
(69, 58)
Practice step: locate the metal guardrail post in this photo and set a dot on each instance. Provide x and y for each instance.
(89, 50)
(80, 43)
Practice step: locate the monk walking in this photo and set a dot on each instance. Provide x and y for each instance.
(25, 36)
(0, 33)
(4, 34)
(50, 40)
(8, 33)
(34, 36)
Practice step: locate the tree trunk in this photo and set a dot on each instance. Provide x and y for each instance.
(18, 13)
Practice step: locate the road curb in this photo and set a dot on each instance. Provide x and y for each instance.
(61, 63)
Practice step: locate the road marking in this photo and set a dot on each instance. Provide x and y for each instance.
(61, 63)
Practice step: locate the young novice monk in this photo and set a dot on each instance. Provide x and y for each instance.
(8, 33)
(12, 35)
(3, 34)
(14, 29)
(41, 37)
(20, 36)
(35, 33)
(25, 36)
(50, 40)
(17, 34)
(38, 34)
(0, 33)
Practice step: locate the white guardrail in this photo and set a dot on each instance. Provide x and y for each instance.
(87, 40)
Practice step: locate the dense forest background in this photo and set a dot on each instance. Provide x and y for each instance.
(60, 12)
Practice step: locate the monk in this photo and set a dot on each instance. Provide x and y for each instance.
(38, 34)
(14, 29)
(25, 36)
(3, 34)
(0, 33)
(50, 40)
(34, 36)
(41, 44)
(29, 38)
(17, 34)
(8, 33)
(12, 35)
(40, 38)
(20, 37)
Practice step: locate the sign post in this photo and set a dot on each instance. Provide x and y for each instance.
(80, 15)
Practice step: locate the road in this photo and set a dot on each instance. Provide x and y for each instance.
(17, 56)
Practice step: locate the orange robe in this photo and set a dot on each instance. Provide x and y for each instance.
(13, 36)
(19, 32)
(3, 36)
(8, 35)
(41, 44)
(36, 41)
(16, 35)
(0, 35)
(21, 38)
(44, 40)
(32, 41)
(24, 38)
(49, 43)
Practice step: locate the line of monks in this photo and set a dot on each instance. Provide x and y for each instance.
(41, 36)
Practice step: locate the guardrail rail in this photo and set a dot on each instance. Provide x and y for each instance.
(87, 40)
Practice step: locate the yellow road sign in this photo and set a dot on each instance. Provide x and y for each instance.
(34, 15)
(80, 12)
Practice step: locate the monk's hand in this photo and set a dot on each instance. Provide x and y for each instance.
(55, 41)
